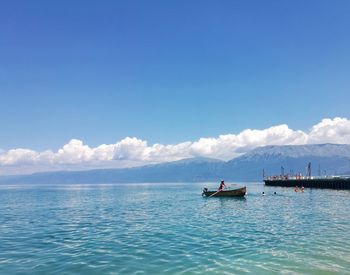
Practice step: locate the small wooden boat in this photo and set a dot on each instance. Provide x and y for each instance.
(238, 192)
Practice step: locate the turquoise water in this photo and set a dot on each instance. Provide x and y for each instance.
(171, 229)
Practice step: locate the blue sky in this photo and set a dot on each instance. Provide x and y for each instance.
(168, 71)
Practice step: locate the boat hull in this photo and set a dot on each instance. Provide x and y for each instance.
(240, 192)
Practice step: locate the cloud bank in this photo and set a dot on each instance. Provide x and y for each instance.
(131, 151)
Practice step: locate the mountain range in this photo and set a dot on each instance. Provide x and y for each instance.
(330, 159)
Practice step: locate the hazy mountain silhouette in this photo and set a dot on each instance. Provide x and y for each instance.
(325, 158)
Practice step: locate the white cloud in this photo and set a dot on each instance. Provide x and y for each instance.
(229, 146)
(75, 152)
(18, 156)
(132, 151)
(335, 130)
(130, 148)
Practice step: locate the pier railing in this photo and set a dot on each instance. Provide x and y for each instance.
(287, 177)
(331, 182)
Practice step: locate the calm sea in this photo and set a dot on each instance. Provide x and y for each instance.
(171, 229)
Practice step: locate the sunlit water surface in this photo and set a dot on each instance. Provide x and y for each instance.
(171, 229)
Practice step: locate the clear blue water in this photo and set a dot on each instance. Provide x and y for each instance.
(171, 229)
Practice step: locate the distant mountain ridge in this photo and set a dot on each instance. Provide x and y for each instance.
(328, 158)
(325, 158)
(319, 150)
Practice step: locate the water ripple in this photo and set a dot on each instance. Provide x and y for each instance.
(170, 228)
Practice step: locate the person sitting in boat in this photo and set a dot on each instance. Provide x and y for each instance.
(222, 185)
